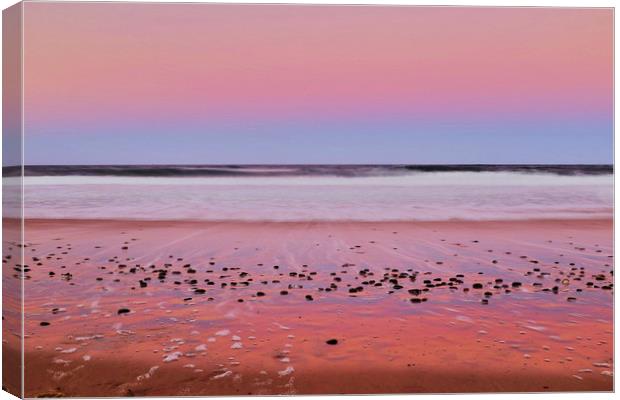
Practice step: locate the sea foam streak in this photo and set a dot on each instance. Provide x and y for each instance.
(324, 193)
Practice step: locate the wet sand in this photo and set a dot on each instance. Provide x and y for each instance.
(118, 308)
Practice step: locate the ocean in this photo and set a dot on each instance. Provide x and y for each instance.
(316, 192)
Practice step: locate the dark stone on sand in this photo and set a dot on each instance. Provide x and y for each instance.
(477, 286)
(516, 284)
(332, 342)
(571, 299)
(283, 292)
(309, 297)
(200, 291)
(123, 311)
(260, 294)
(484, 301)
(44, 323)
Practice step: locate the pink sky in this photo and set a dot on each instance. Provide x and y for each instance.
(132, 59)
(90, 65)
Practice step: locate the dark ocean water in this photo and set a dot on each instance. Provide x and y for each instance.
(295, 170)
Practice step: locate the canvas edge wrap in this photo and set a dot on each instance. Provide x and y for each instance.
(12, 198)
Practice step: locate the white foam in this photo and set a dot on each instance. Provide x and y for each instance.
(172, 356)
(289, 370)
(223, 375)
(69, 351)
(416, 196)
(148, 374)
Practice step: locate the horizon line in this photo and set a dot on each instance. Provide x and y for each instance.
(308, 164)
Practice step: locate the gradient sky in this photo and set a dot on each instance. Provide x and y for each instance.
(134, 83)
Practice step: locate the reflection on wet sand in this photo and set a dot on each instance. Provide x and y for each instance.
(206, 308)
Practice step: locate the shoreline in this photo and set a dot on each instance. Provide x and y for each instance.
(194, 222)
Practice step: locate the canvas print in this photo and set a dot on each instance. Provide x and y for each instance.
(233, 199)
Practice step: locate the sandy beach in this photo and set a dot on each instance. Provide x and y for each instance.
(117, 308)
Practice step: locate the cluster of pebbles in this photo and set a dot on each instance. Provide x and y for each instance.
(210, 278)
